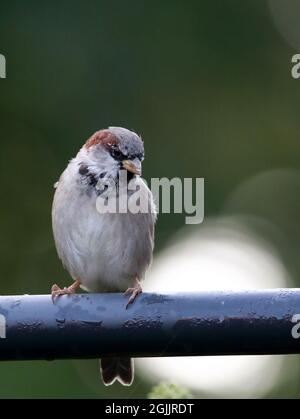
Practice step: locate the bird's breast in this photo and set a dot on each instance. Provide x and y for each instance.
(104, 250)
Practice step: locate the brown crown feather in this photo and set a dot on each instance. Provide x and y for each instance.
(104, 137)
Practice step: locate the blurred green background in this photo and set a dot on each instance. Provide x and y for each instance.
(208, 85)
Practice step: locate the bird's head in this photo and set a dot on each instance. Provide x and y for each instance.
(110, 150)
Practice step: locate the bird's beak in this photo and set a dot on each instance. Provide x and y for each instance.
(133, 166)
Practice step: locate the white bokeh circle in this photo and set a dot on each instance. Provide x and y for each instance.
(221, 255)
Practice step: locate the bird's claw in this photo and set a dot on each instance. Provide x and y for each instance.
(56, 291)
(135, 292)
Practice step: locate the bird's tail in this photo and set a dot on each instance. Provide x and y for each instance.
(120, 369)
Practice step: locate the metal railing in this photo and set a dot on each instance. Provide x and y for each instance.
(95, 325)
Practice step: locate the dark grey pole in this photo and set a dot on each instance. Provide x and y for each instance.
(95, 325)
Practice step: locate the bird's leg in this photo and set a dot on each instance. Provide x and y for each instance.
(56, 291)
(135, 291)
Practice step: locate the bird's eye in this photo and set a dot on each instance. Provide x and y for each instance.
(116, 154)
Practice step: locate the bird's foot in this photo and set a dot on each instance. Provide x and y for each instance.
(134, 291)
(56, 291)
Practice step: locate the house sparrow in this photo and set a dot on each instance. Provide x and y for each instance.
(104, 252)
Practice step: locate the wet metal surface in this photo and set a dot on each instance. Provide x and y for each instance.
(95, 325)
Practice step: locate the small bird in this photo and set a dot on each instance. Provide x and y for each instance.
(104, 252)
